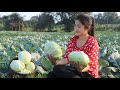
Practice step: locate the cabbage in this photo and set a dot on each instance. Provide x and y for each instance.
(46, 64)
(17, 65)
(24, 56)
(24, 71)
(54, 49)
(30, 66)
(79, 56)
(115, 56)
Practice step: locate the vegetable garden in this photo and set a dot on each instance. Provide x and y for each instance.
(11, 43)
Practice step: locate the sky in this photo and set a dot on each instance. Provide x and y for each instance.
(28, 15)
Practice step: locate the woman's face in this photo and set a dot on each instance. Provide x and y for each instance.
(79, 28)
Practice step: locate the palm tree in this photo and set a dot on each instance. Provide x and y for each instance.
(13, 22)
(16, 21)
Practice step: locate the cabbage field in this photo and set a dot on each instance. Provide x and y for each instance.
(11, 43)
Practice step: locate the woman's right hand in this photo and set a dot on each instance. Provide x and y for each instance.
(52, 59)
(57, 62)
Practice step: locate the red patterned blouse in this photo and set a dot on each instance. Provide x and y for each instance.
(91, 48)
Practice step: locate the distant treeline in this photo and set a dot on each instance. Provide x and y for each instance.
(57, 21)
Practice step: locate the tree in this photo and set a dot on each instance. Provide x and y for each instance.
(98, 18)
(45, 21)
(107, 18)
(33, 22)
(6, 22)
(13, 22)
(67, 18)
(1, 24)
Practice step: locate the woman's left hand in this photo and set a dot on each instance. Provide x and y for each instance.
(80, 68)
(77, 66)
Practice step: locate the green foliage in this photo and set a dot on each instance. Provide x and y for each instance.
(107, 18)
(108, 27)
(14, 42)
(44, 21)
(46, 64)
(13, 18)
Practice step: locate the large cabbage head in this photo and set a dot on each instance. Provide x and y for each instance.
(30, 66)
(54, 49)
(17, 65)
(79, 56)
(25, 57)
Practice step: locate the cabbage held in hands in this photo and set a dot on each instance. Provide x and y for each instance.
(79, 56)
(54, 49)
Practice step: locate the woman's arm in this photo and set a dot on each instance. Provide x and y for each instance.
(80, 68)
(62, 62)
(57, 62)
(86, 68)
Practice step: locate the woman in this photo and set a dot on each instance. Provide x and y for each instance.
(83, 40)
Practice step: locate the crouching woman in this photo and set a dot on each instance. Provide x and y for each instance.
(82, 40)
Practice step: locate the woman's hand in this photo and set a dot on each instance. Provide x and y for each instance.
(80, 68)
(57, 62)
(62, 62)
(86, 68)
(77, 66)
(52, 59)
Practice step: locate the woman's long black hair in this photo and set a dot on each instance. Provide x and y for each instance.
(87, 21)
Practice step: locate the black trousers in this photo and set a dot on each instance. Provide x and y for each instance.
(63, 71)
